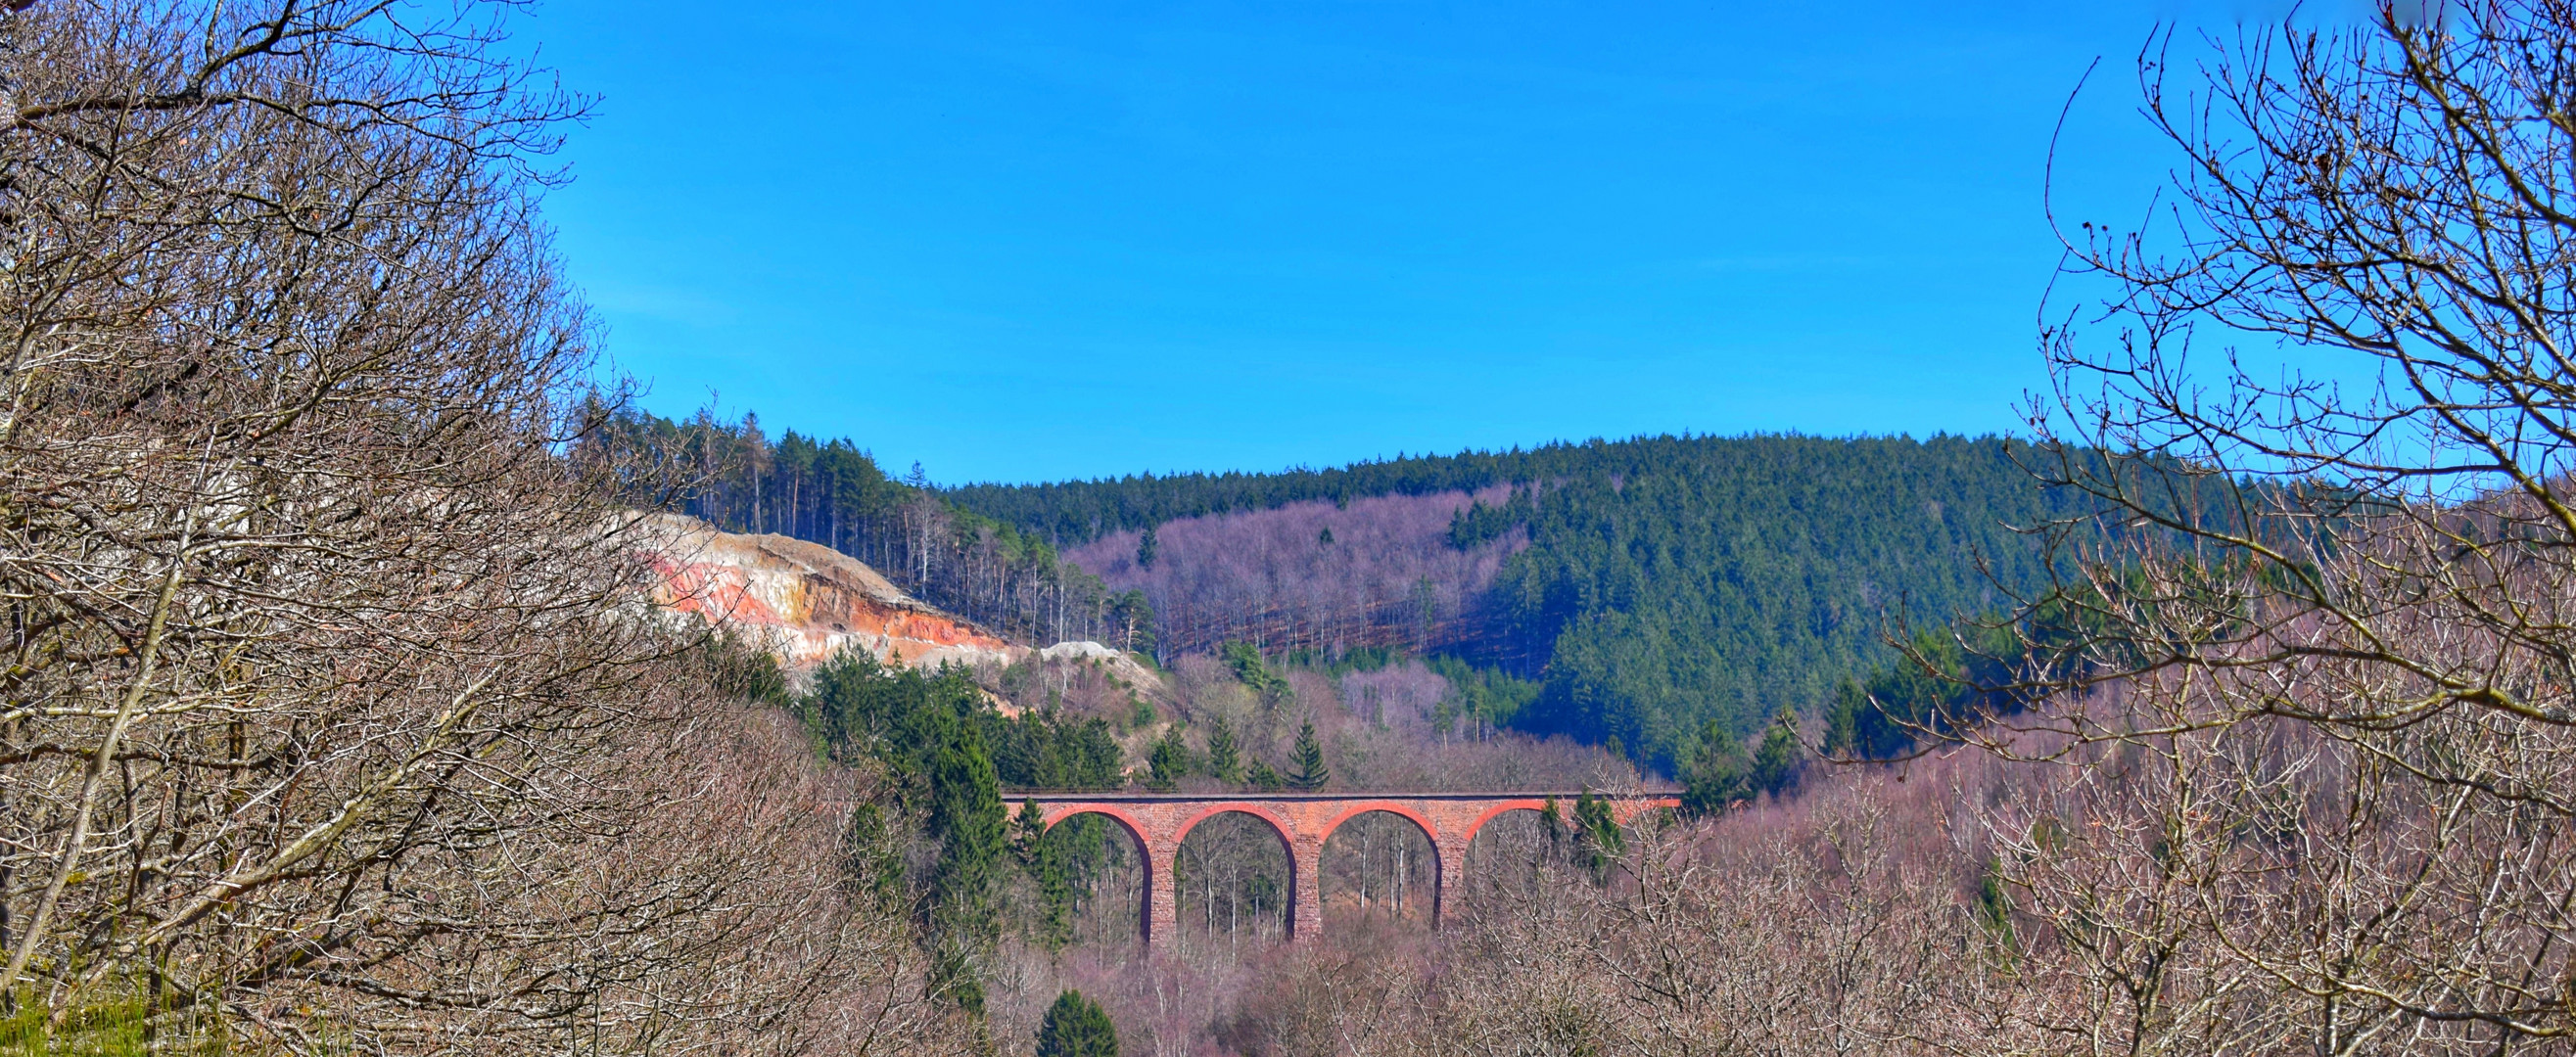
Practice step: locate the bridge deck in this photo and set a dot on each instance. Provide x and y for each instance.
(1124, 796)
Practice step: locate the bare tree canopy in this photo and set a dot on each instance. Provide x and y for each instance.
(2325, 787)
(334, 709)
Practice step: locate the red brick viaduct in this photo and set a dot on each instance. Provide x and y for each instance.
(1159, 821)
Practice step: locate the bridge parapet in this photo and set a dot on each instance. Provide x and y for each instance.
(1303, 821)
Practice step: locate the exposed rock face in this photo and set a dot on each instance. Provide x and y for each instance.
(805, 602)
(1085, 650)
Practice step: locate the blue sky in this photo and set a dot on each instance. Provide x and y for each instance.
(1052, 240)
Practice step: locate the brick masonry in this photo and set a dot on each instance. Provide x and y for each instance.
(1160, 821)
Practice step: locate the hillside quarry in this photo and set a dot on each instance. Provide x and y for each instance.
(804, 602)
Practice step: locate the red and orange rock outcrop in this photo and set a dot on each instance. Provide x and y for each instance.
(804, 601)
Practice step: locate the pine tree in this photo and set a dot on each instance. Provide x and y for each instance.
(1254, 672)
(967, 818)
(1027, 831)
(1170, 760)
(1045, 860)
(1311, 773)
(872, 858)
(1146, 547)
(1777, 762)
(1076, 1027)
(1718, 775)
(1131, 617)
(1264, 777)
(1597, 835)
(1842, 720)
(1224, 757)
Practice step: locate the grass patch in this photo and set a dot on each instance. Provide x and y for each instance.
(122, 1026)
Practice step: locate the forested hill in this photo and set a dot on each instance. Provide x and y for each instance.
(1727, 579)
(1667, 581)
(1652, 585)
(1074, 512)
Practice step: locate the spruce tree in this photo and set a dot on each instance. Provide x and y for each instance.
(1311, 773)
(1027, 831)
(1044, 862)
(1254, 672)
(1842, 720)
(1598, 839)
(1718, 776)
(1224, 757)
(1076, 1027)
(872, 858)
(1170, 760)
(1265, 778)
(1777, 762)
(967, 818)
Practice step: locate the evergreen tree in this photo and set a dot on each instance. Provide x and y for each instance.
(1044, 861)
(1131, 618)
(1842, 719)
(1254, 672)
(1718, 776)
(1598, 839)
(1224, 757)
(1055, 899)
(1170, 760)
(1781, 757)
(1076, 1026)
(871, 860)
(968, 820)
(1311, 773)
(1027, 831)
(1264, 777)
(1044, 750)
(1934, 689)
(1146, 545)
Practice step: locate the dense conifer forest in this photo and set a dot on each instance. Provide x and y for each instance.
(1665, 582)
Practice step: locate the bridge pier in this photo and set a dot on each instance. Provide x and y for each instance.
(1451, 851)
(1162, 893)
(1306, 882)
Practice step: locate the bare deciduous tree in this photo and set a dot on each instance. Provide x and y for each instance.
(332, 702)
(2323, 801)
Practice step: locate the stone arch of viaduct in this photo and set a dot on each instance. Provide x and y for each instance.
(1160, 821)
